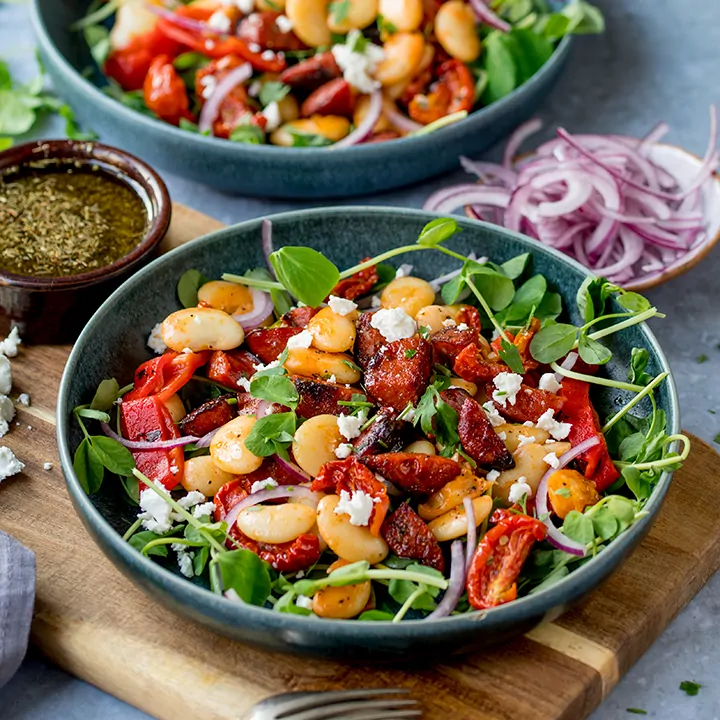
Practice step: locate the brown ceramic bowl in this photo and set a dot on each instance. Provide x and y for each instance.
(55, 309)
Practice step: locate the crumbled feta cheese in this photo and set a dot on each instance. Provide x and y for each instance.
(507, 385)
(349, 425)
(299, 574)
(552, 460)
(525, 440)
(332, 379)
(209, 45)
(502, 435)
(174, 469)
(208, 84)
(301, 340)
(550, 441)
(494, 416)
(345, 450)
(283, 23)
(219, 21)
(549, 382)
(47, 466)
(449, 322)
(244, 383)
(408, 414)
(9, 346)
(375, 302)
(204, 509)
(559, 430)
(267, 55)
(492, 476)
(194, 497)
(254, 47)
(7, 409)
(4, 427)
(303, 601)
(358, 506)
(463, 326)
(393, 324)
(156, 515)
(275, 363)
(528, 423)
(265, 484)
(5, 376)
(255, 88)
(518, 490)
(245, 6)
(341, 306)
(184, 559)
(358, 67)
(30, 427)
(24, 399)
(272, 114)
(155, 341)
(187, 351)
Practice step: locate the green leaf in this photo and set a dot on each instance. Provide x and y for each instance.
(275, 388)
(530, 52)
(438, 231)
(553, 342)
(585, 19)
(188, 125)
(272, 434)
(515, 267)
(246, 573)
(188, 285)
(604, 523)
(93, 414)
(634, 302)
(550, 306)
(339, 10)
(202, 555)
(273, 91)
(115, 457)
(622, 509)
(140, 539)
(287, 604)
(98, 39)
(5, 143)
(305, 273)
(16, 115)
(105, 395)
(132, 488)
(639, 359)
(377, 615)
(385, 26)
(638, 483)
(593, 352)
(248, 134)
(511, 356)
(500, 67)
(497, 289)
(452, 289)
(554, 26)
(71, 127)
(690, 688)
(301, 139)
(280, 298)
(401, 590)
(578, 527)
(88, 468)
(189, 61)
(528, 296)
(277, 369)
(5, 77)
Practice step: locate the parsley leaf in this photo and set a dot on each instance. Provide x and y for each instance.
(410, 353)
(511, 356)
(690, 688)
(434, 415)
(301, 139)
(248, 134)
(339, 10)
(273, 91)
(702, 358)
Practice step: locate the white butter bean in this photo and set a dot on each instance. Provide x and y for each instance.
(200, 329)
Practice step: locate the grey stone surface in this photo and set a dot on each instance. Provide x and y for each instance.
(658, 60)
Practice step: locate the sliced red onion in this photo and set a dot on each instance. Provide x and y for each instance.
(449, 199)
(206, 439)
(262, 309)
(471, 532)
(457, 583)
(146, 445)
(264, 408)
(267, 246)
(210, 109)
(567, 364)
(487, 171)
(486, 15)
(291, 468)
(278, 493)
(182, 21)
(555, 536)
(440, 281)
(400, 121)
(365, 128)
(653, 137)
(518, 138)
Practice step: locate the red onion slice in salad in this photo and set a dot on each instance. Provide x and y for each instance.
(400, 121)
(555, 536)
(182, 21)
(365, 128)
(206, 439)
(457, 583)
(262, 309)
(211, 107)
(278, 493)
(471, 532)
(146, 444)
(290, 467)
(267, 246)
(486, 15)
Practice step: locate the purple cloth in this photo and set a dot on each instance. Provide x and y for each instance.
(17, 596)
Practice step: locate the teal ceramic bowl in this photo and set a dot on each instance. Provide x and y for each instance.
(113, 344)
(266, 170)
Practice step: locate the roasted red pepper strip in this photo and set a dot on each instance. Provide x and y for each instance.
(179, 371)
(499, 558)
(149, 377)
(148, 419)
(228, 367)
(165, 375)
(595, 463)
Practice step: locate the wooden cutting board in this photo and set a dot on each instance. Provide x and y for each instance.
(95, 624)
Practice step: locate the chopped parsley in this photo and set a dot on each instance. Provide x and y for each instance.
(717, 439)
(690, 688)
(410, 353)
(636, 711)
(702, 358)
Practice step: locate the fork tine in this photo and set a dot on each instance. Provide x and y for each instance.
(381, 715)
(296, 703)
(358, 710)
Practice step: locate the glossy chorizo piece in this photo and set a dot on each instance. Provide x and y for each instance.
(477, 435)
(385, 434)
(333, 98)
(394, 379)
(268, 343)
(310, 74)
(414, 472)
(368, 340)
(382, 136)
(260, 28)
(299, 316)
(448, 343)
(227, 367)
(408, 536)
(318, 397)
(471, 365)
(208, 417)
(530, 403)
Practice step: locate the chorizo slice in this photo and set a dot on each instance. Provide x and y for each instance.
(310, 74)
(260, 28)
(400, 373)
(368, 340)
(268, 343)
(470, 364)
(448, 343)
(227, 367)
(318, 397)
(208, 417)
(299, 316)
(414, 472)
(385, 434)
(408, 536)
(530, 403)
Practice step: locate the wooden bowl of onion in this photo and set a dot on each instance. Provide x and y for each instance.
(634, 210)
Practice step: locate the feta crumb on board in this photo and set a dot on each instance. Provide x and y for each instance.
(9, 346)
(518, 490)
(394, 324)
(341, 306)
(7, 409)
(24, 399)
(48, 466)
(5, 376)
(9, 464)
(507, 386)
(358, 506)
(155, 341)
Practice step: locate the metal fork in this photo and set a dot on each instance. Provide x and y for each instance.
(365, 704)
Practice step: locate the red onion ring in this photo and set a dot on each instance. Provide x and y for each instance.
(522, 133)
(471, 532)
(182, 21)
(206, 439)
(267, 246)
(262, 309)
(567, 364)
(292, 469)
(278, 493)
(400, 121)
(264, 408)
(210, 109)
(486, 171)
(144, 444)
(365, 128)
(555, 536)
(487, 16)
(457, 583)
(449, 199)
